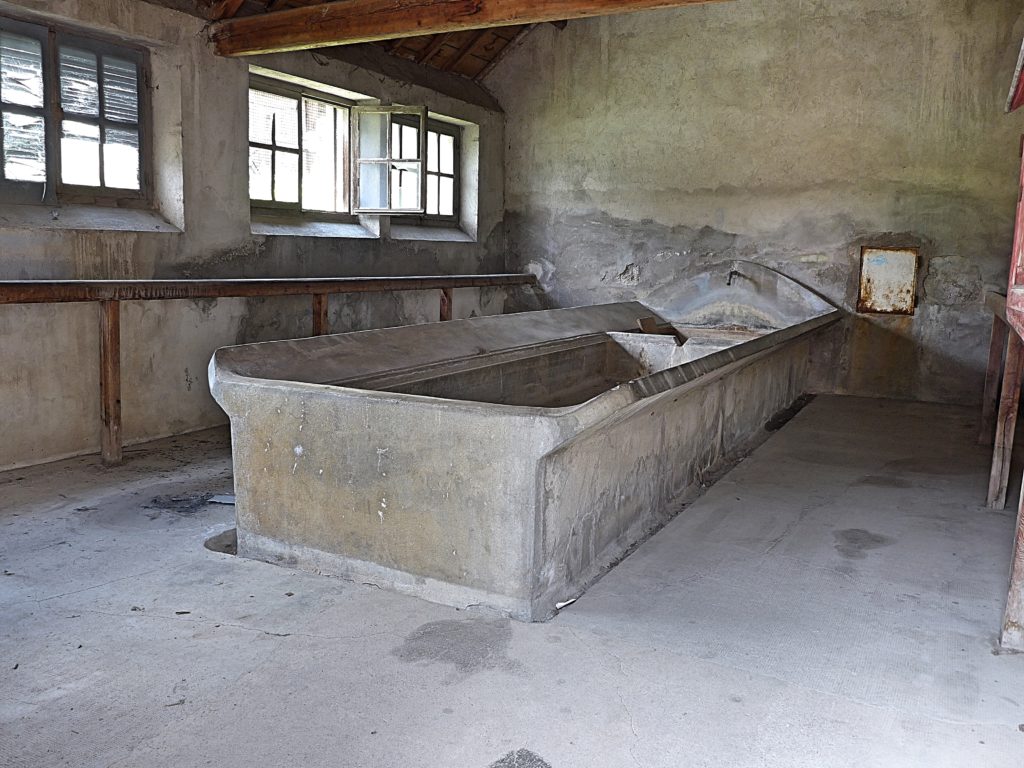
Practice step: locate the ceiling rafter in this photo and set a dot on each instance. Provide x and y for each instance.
(224, 9)
(510, 46)
(431, 50)
(464, 51)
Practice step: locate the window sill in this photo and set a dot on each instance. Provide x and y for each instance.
(84, 217)
(430, 234)
(285, 228)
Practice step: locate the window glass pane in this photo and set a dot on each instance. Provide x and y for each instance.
(120, 90)
(260, 180)
(80, 154)
(273, 117)
(447, 153)
(373, 185)
(432, 151)
(405, 186)
(79, 83)
(410, 143)
(121, 159)
(24, 148)
(21, 70)
(341, 181)
(446, 204)
(318, 145)
(286, 177)
(432, 194)
(396, 140)
(373, 135)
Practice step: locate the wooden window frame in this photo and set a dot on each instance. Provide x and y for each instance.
(53, 191)
(437, 219)
(273, 208)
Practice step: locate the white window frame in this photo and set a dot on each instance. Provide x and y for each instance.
(415, 113)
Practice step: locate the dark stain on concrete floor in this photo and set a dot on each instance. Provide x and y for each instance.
(853, 543)
(885, 481)
(521, 758)
(468, 646)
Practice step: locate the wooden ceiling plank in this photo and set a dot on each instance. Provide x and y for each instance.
(224, 9)
(464, 51)
(365, 21)
(431, 50)
(510, 46)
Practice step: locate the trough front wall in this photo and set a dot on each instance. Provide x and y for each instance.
(642, 147)
(606, 489)
(429, 489)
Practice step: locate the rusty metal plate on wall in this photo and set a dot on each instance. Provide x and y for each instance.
(888, 281)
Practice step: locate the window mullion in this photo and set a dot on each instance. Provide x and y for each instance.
(334, 154)
(273, 158)
(302, 128)
(102, 113)
(52, 118)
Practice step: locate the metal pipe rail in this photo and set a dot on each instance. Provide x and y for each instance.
(110, 293)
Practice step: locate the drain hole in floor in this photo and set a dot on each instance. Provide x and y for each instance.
(225, 542)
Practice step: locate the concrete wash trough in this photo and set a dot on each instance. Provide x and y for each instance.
(508, 460)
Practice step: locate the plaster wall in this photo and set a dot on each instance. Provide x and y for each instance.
(642, 147)
(49, 393)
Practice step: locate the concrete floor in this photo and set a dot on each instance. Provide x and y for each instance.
(832, 601)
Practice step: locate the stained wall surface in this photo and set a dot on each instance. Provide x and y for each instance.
(642, 147)
(202, 227)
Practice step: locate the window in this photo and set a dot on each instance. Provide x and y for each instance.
(71, 117)
(442, 168)
(315, 153)
(443, 156)
(298, 151)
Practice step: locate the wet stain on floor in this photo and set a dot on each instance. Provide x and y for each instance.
(939, 465)
(468, 646)
(225, 542)
(854, 543)
(521, 758)
(885, 481)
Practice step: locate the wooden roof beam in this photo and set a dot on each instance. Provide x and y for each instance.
(364, 21)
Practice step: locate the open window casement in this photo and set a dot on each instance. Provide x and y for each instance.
(388, 172)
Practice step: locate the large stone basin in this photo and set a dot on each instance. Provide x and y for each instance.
(504, 461)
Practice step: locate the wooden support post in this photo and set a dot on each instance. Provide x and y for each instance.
(1006, 423)
(321, 322)
(110, 381)
(997, 346)
(447, 302)
(1012, 635)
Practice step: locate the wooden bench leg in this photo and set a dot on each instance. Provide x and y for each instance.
(1006, 423)
(110, 381)
(1012, 635)
(447, 301)
(990, 401)
(321, 321)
